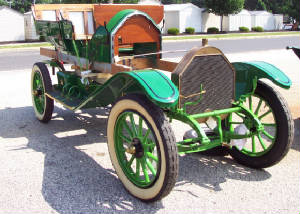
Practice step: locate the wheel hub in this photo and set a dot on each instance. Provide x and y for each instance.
(136, 148)
(252, 126)
(37, 92)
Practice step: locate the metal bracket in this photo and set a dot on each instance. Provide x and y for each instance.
(192, 95)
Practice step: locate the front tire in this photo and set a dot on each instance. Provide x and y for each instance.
(271, 145)
(40, 84)
(142, 147)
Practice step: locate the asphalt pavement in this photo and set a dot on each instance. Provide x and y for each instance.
(23, 58)
(64, 166)
(229, 46)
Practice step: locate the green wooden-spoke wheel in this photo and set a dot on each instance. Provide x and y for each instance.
(142, 147)
(269, 146)
(40, 83)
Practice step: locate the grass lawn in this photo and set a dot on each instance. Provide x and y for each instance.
(24, 45)
(231, 35)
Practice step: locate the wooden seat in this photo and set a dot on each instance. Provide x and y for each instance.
(81, 16)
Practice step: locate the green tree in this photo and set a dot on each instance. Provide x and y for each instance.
(293, 10)
(288, 7)
(260, 5)
(177, 1)
(126, 1)
(199, 3)
(3, 3)
(250, 4)
(224, 7)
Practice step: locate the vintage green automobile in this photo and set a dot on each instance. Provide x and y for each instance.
(116, 60)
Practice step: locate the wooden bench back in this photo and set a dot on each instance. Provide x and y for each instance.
(87, 17)
(81, 16)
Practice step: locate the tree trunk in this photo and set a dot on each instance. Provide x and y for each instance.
(222, 23)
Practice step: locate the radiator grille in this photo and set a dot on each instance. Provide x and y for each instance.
(217, 79)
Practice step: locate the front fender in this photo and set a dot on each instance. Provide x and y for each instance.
(155, 85)
(246, 72)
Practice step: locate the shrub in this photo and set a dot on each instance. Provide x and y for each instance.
(212, 30)
(257, 29)
(244, 29)
(42, 38)
(173, 31)
(190, 30)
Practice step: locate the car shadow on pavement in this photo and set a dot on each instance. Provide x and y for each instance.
(78, 180)
(296, 143)
(211, 171)
(73, 182)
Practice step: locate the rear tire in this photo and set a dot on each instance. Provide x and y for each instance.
(142, 147)
(40, 84)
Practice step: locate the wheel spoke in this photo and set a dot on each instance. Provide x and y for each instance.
(151, 167)
(253, 144)
(129, 131)
(133, 124)
(122, 149)
(261, 142)
(265, 114)
(150, 146)
(150, 155)
(269, 124)
(38, 80)
(129, 163)
(268, 135)
(258, 107)
(236, 122)
(125, 138)
(146, 136)
(250, 102)
(147, 179)
(42, 98)
(241, 116)
(140, 134)
(137, 168)
(34, 83)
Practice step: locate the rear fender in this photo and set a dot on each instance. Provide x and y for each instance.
(54, 63)
(246, 72)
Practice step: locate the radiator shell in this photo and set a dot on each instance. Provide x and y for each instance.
(207, 66)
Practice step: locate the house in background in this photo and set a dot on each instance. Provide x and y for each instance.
(232, 22)
(267, 20)
(30, 32)
(11, 25)
(210, 20)
(244, 18)
(182, 16)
